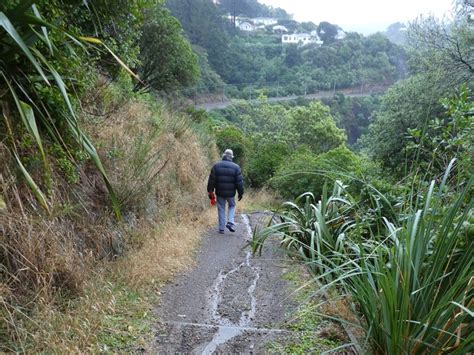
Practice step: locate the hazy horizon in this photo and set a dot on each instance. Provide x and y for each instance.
(365, 16)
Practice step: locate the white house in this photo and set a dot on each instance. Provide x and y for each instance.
(246, 26)
(266, 21)
(301, 38)
(279, 29)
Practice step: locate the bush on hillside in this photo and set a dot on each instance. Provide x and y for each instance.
(306, 172)
(233, 138)
(264, 162)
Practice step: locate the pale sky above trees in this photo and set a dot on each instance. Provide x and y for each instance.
(366, 16)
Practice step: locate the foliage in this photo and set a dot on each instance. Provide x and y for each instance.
(205, 27)
(306, 172)
(397, 33)
(315, 128)
(327, 32)
(264, 161)
(297, 174)
(209, 81)
(251, 8)
(447, 137)
(354, 114)
(167, 59)
(423, 254)
(232, 138)
(35, 98)
(408, 104)
(277, 130)
(258, 62)
(314, 230)
(437, 45)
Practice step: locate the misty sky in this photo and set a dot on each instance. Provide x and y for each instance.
(366, 16)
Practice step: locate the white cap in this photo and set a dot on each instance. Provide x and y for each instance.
(229, 153)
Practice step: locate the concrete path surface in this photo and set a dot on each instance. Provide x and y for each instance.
(230, 302)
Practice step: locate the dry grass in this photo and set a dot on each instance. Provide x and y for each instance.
(166, 251)
(116, 299)
(258, 200)
(59, 290)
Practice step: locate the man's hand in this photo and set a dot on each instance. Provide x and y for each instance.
(239, 198)
(211, 195)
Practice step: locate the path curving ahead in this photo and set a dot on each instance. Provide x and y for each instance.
(230, 302)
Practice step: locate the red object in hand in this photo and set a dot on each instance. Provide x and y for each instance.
(212, 197)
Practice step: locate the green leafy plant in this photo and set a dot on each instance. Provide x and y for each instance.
(313, 230)
(28, 66)
(411, 283)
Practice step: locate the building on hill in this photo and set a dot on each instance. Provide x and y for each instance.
(302, 39)
(266, 21)
(245, 26)
(279, 29)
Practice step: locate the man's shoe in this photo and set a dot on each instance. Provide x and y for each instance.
(230, 227)
(221, 232)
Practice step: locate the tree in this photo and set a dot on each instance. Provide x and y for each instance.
(316, 128)
(251, 8)
(292, 56)
(440, 60)
(409, 104)
(168, 61)
(327, 32)
(396, 33)
(204, 26)
(264, 161)
(233, 138)
(447, 48)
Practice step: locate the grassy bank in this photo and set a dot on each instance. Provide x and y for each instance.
(77, 280)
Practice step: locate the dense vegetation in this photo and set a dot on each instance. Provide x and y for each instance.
(258, 62)
(390, 227)
(88, 165)
(93, 167)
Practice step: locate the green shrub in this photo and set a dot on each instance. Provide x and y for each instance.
(233, 138)
(264, 162)
(297, 175)
(306, 172)
(412, 283)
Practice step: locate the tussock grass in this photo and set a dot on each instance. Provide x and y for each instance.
(166, 251)
(77, 281)
(258, 200)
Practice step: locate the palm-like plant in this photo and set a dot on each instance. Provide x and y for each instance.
(412, 283)
(27, 57)
(313, 230)
(416, 296)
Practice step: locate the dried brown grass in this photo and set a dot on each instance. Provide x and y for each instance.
(258, 200)
(59, 292)
(166, 251)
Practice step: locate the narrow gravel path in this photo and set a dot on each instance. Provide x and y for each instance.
(230, 302)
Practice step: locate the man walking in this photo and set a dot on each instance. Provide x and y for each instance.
(226, 179)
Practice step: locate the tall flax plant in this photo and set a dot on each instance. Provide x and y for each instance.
(27, 63)
(412, 282)
(314, 231)
(416, 296)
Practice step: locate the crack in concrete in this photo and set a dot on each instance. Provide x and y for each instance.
(243, 329)
(226, 329)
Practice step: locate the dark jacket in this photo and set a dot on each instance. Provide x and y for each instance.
(226, 178)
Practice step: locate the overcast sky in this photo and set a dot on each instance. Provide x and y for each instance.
(366, 16)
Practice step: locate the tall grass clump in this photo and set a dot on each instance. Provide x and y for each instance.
(312, 230)
(410, 282)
